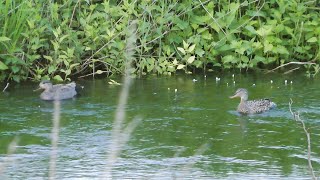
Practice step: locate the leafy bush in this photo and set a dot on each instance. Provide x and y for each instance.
(61, 39)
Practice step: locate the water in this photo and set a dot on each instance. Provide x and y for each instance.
(194, 133)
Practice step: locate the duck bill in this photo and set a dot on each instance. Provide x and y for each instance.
(234, 96)
(39, 88)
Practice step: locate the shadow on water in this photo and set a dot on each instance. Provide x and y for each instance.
(175, 124)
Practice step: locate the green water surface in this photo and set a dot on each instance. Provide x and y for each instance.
(193, 133)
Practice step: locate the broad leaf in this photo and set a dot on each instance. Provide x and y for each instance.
(191, 59)
(313, 39)
(57, 78)
(181, 50)
(3, 66)
(3, 38)
(48, 58)
(251, 29)
(282, 50)
(181, 66)
(185, 45)
(15, 69)
(267, 46)
(191, 48)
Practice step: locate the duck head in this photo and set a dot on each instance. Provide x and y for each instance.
(242, 93)
(45, 85)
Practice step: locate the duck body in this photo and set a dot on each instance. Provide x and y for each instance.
(254, 106)
(58, 91)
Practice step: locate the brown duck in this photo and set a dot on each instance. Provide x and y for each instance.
(254, 106)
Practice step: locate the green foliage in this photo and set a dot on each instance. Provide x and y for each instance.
(60, 39)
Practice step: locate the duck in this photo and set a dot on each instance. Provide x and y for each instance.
(57, 91)
(253, 106)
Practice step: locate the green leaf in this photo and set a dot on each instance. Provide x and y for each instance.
(3, 66)
(199, 20)
(265, 30)
(267, 46)
(258, 59)
(62, 38)
(3, 38)
(15, 69)
(206, 35)
(181, 50)
(181, 24)
(279, 28)
(51, 69)
(313, 39)
(67, 72)
(215, 27)
(281, 50)
(31, 24)
(191, 59)
(241, 50)
(244, 59)
(256, 13)
(57, 78)
(74, 65)
(198, 63)
(175, 62)
(257, 45)
(228, 59)
(16, 78)
(181, 66)
(48, 58)
(251, 29)
(185, 45)
(191, 48)
(200, 52)
(225, 47)
(150, 67)
(57, 32)
(233, 7)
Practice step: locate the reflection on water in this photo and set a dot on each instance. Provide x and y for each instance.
(175, 126)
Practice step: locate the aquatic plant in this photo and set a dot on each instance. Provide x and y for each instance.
(61, 39)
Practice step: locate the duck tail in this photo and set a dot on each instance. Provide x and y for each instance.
(79, 89)
(273, 105)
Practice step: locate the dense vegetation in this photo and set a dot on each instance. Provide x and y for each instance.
(42, 39)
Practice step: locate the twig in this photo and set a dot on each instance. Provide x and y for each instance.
(296, 117)
(187, 168)
(84, 65)
(5, 87)
(119, 135)
(8, 159)
(74, 9)
(94, 73)
(13, 10)
(300, 34)
(299, 63)
(214, 19)
(54, 140)
(291, 70)
(160, 36)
